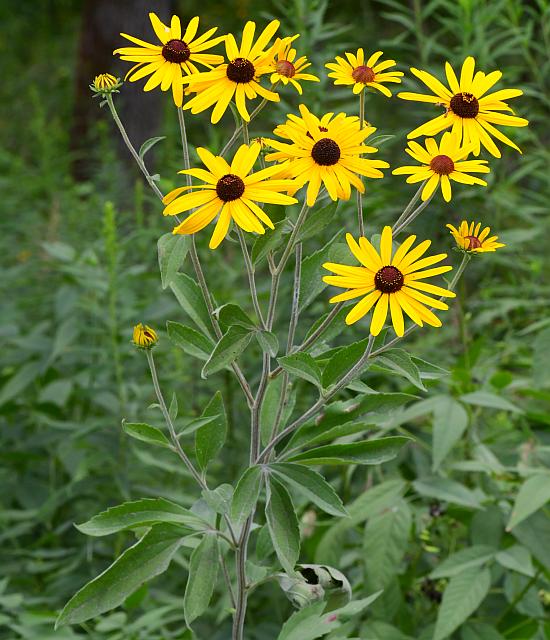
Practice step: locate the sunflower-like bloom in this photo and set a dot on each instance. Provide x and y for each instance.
(469, 111)
(177, 55)
(360, 74)
(238, 78)
(144, 336)
(441, 164)
(286, 68)
(469, 238)
(390, 283)
(326, 151)
(230, 191)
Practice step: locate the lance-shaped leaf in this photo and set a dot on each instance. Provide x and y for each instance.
(203, 573)
(303, 366)
(210, 438)
(149, 144)
(231, 314)
(283, 525)
(534, 493)
(140, 513)
(189, 295)
(145, 433)
(311, 484)
(342, 361)
(146, 559)
(450, 420)
(191, 341)
(246, 495)
(172, 250)
(366, 452)
(229, 348)
(398, 361)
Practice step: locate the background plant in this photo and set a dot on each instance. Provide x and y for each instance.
(61, 461)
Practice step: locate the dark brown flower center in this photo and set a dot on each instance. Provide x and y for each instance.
(464, 105)
(442, 165)
(229, 187)
(285, 68)
(325, 152)
(474, 242)
(388, 279)
(176, 51)
(240, 70)
(363, 74)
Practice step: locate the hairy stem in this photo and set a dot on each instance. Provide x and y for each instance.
(397, 228)
(359, 194)
(251, 277)
(239, 129)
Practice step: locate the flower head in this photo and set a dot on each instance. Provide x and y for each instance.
(230, 191)
(390, 283)
(177, 55)
(144, 336)
(326, 150)
(105, 83)
(238, 78)
(360, 74)
(468, 110)
(286, 68)
(469, 238)
(441, 164)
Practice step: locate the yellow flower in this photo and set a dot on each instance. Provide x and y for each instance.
(441, 164)
(230, 191)
(355, 71)
(285, 66)
(469, 238)
(238, 78)
(175, 56)
(469, 111)
(327, 151)
(105, 83)
(144, 336)
(390, 283)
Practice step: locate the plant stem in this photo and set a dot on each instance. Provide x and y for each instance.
(251, 278)
(400, 227)
(321, 402)
(291, 241)
(359, 194)
(131, 148)
(239, 129)
(409, 207)
(313, 337)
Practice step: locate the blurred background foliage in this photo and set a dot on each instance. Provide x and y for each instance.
(79, 234)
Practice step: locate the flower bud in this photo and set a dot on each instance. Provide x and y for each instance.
(144, 336)
(105, 83)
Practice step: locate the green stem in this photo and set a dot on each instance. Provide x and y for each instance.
(239, 129)
(397, 228)
(292, 240)
(409, 207)
(251, 277)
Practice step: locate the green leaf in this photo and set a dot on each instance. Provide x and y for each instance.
(343, 361)
(480, 631)
(203, 573)
(283, 525)
(246, 495)
(463, 595)
(268, 411)
(516, 558)
(309, 623)
(24, 376)
(317, 221)
(219, 499)
(145, 433)
(490, 400)
(173, 409)
(268, 342)
(231, 315)
(227, 350)
(269, 241)
(303, 366)
(534, 534)
(450, 420)
(210, 438)
(398, 361)
(447, 490)
(534, 493)
(172, 250)
(196, 423)
(385, 544)
(148, 144)
(367, 452)
(463, 560)
(311, 484)
(191, 341)
(147, 558)
(139, 513)
(189, 295)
